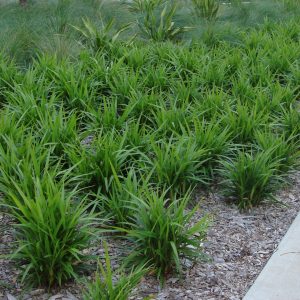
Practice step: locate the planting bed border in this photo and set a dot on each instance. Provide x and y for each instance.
(280, 277)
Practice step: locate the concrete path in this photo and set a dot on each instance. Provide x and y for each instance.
(280, 278)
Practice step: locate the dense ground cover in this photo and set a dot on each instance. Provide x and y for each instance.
(108, 139)
(44, 26)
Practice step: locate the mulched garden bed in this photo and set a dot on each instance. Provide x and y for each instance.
(239, 245)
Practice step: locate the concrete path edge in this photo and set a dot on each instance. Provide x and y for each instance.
(280, 278)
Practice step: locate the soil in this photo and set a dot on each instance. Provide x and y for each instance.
(238, 243)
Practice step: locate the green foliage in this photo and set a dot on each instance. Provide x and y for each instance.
(213, 138)
(291, 4)
(177, 164)
(52, 231)
(290, 120)
(244, 121)
(106, 116)
(107, 287)
(8, 73)
(22, 162)
(283, 150)
(22, 46)
(58, 129)
(97, 163)
(160, 234)
(171, 118)
(118, 115)
(207, 9)
(10, 128)
(120, 203)
(73, 84)
(157, 21)
(47, 25)
(102, 37)
(28, 106)
(251, 177)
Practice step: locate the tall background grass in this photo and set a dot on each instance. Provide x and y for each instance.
(47, 25)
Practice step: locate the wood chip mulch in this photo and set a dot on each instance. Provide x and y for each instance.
(239, 244)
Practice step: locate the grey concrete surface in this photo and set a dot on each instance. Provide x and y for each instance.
(280, 278)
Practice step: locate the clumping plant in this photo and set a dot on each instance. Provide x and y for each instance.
(173, 119)
(290, 121)
(102, 37)
(251, 177)
(53, 228)
(21, 162)
(58, 129)
(59, 22)
(291, 5)
(120, 202)
(157, 77)
(177, 164)
(284, 150)
(161, 234)
(213, 103)
(213, 138)
(96, 163)
(113, 285)
(244, 121)
(143, 103)
(136, 57)
(105, 117)
(157, 22)
(28, 107)
(75, 87)
(8, 74)
(122, 81)
(10, 128)
(108, 116)
(22, 44)
(207, 9)
(137, 135)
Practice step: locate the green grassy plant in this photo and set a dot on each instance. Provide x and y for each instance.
(28, 107)
(212, 104)
(52, 232)
(251, 177)
(21, 162)
(291, 5)
(171, 118)
(177, 164)
(122, 82)
(207, 9)
(8, 73)
(58, 129)
(157, 22)
(60, 20)
(74, 85)
(160, 236)
(100, 38)
(10, 128)
(137, 136)
(213, 138)
(290, 121)
(284, 150)
(110, 285)
(97, 163)
(244, 121)
(120, 202)
(107, 116)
